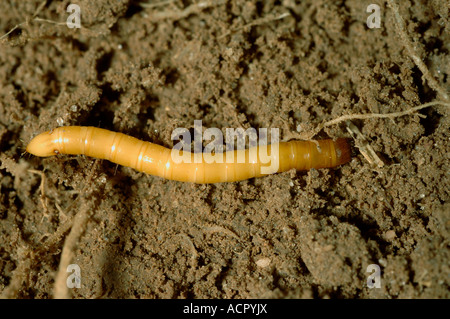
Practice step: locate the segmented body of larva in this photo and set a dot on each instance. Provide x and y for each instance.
(157, 160)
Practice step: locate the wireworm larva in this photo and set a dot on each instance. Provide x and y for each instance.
(157, 160)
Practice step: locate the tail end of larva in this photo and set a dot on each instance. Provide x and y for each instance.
(343, 151)
(41, 145)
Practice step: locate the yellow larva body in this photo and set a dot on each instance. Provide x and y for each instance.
(157, 160)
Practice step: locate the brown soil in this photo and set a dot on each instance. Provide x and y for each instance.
(145, 71)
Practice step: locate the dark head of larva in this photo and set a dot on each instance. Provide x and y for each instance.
(42, 145)
(343, 151)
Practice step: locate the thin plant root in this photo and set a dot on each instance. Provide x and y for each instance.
(154, 5)
(194, 253)
(432, 82)
(19, 277)
(38, 10)
(363, 145)
(256, 22)
(35, 18)
(348, 117)
(61, 290)
(377, 115)
(50, 21)
(179, 14)
(44, 199)
(80, 220)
